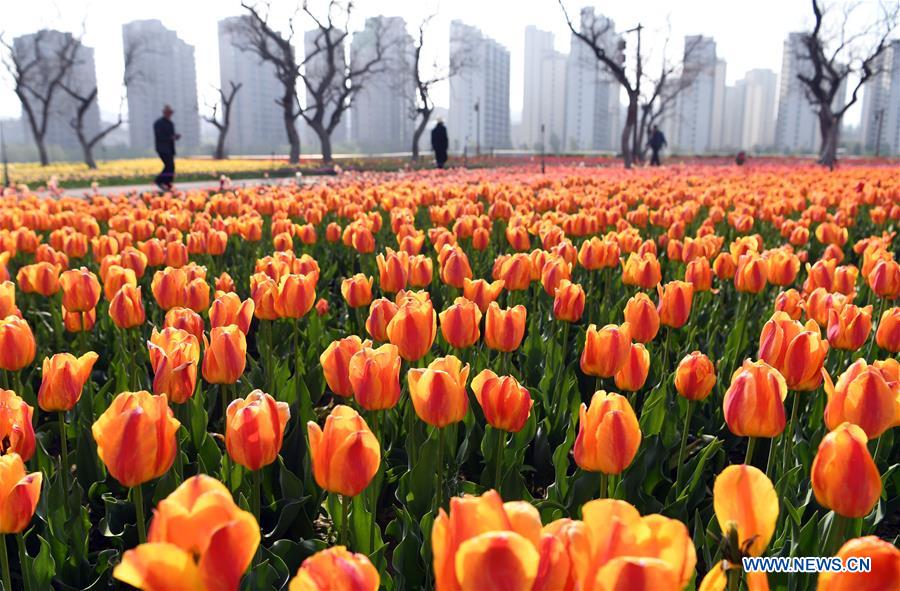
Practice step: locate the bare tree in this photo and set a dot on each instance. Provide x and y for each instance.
(673, 79)
(226, 100)
(594, 32)
(832, 58)
(425, 80)
(39, 66)
(330, 83)
(257, 36)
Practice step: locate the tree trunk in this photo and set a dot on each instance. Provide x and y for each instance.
(831, 128)
(628, 130)
(88, 155)
(219, 153)
(292, 136)
(325, 142)
(417, 134)
(42, 151)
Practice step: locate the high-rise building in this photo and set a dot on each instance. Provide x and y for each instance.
(881, 104)
(80, 78)
(733, 116)
(759, 109)
(545, 91)
(479, 94)
(383, 110)
(257, 125)
(161, 71)
(316, 69)
(696, 122)
(592, 94)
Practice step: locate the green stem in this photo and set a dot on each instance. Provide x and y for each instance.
(877, 450)
(23, 561)
(878, 320)
(684, 435)
(139, 510)
(498, 469)
(734, 579)
(751, 445)
(376, 417)
(226, 464)
(789, 433)
(770, 463)
(345, 520)
(439, 492)
(64, 452)
(604, 485)
(256, 498)
(4, 560)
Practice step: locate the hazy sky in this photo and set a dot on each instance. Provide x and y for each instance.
(748, 35)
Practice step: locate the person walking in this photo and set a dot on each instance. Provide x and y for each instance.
(656, 142)
(440, 143)
(165, 136)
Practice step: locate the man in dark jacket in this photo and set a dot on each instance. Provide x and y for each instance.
(440, 143)
(656, 142)
(165, 136)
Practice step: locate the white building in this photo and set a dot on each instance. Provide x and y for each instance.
(733, 117)
(162, 72)
(479, 116)
(696, 123)
(545, 91)
(257, 125)
(881, 105)
(592, 94)
(759, 110)
(383, 110)
(316, 68)
(81, 79)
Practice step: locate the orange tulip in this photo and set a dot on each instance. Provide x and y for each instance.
(228, 308)
(568, 301)
(374, 376)
(264, 292)
(459, 323)
(782, 266)
(597, 253)
(41, 278)
(80, 289)
(497, 561)
(455, 268)
(608, 434)
(820, 302)
(357, 290)
(117, 277)
(169, 287)
(225, 356)
(152, 567)
(174, 356)
(642, 270)
(699, 274)
(888, 334)
(335, 360)
(849, 328)
(16, 427)
(413, 328)
(797, 351)
(724, 266)
(438, 392)
(8, 300)
(605, 350)
(754, 402)
(17, 345)
(635, 574)
(63, 379)
(844, 477)
(345, 455)
(633, 374)
(744, 499)
(504, 329)
(642, 318)
(865, 395)
(506, 403)
(136, 437)
(127, 307)
(224, 283)
(675, 303)
(254, 429)
(554, 272)
(335, 569)
(750, 274)
(393, 270)
(481, 292)
(296, 295)
(381, 312)
(695, 376)
(421, 270)
(790, 302)
(884, 572)
(322, 307)
(884, 278)
(515, 272)
(79, 321)
(19, 494)
(185, 319)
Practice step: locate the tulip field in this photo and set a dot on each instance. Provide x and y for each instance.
(463, 380)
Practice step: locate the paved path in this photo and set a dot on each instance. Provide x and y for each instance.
(187, 186)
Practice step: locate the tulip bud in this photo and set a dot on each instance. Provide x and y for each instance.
(393, 270)
(127, 307)
(357, 290)
(19, 494)
(174, 356)
(699, 274)
(117, 277)
(263, 292)
(605, 350)
(63, 379)
(185, 319)
(865, 395)
(8, 300)
(884, 278)
(16, 427)
(568, 301)
(345, 455)
(504, 329)
(633, 374)
(754, 402)
(336, 568)
(224, 282)
(81, 290)
(296, 295)
(438, 392)
(675, 303)
(254, 429)
(515, 272)
(79, 321)
(496, 561)
(695, 376)
(744, 499)
(641, 270)
(849, 327)
(421, 270)
(413, 329)
(844, 477)
(374, 376)
(17, 345)
(228, 308)
(888, 334)
(790, 302)
(41, 278)
(335, 362)
(724, 266)
(136, 437)
(636, 574)
(381, 312)
(642, 318)
(506, 403)
(750, 274)
(797, 351)
(225, 356)
(459, 324)
(884, 563)
(608, 434)
(455, 268)
(481, 292)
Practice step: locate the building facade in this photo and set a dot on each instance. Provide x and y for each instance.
(797, 127)
(758, 125)
(881, 105)
(696, 124)
(544, 93)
